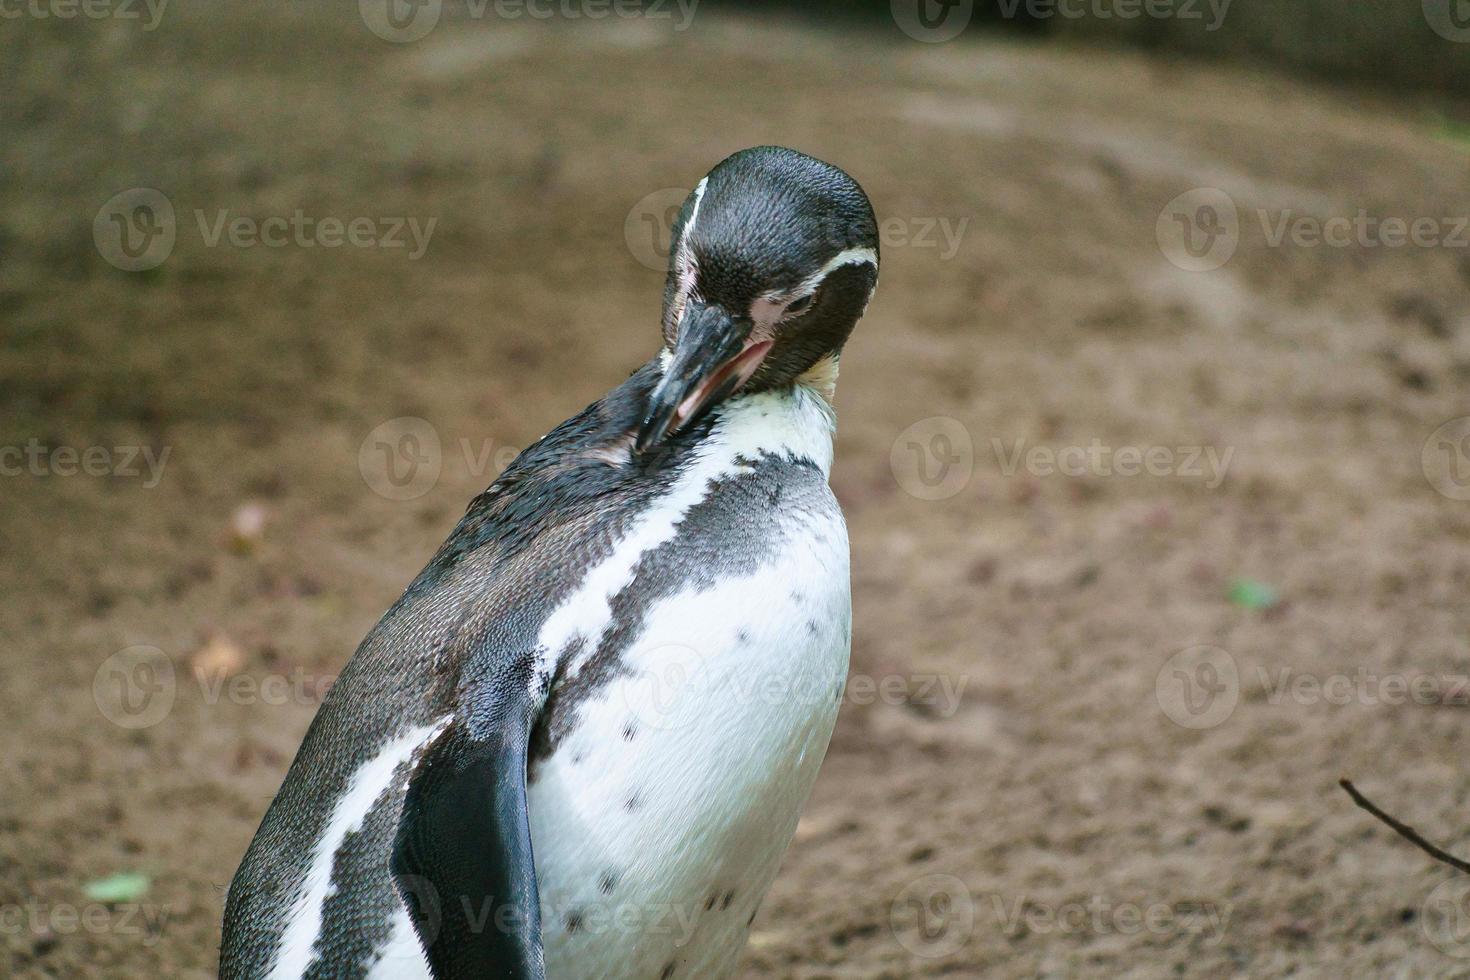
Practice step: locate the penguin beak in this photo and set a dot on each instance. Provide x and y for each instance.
(712, 358)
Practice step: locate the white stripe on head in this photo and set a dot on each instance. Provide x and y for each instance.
(768, 310)
(851, 256)
(685, 267)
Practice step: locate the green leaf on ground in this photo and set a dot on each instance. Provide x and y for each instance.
(1252, 594)
(125, 886)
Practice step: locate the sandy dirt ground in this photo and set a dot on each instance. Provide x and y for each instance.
(1145, 555)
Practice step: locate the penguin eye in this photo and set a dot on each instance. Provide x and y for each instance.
(801, 304)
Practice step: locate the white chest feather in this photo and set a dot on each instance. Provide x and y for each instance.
(660, 820)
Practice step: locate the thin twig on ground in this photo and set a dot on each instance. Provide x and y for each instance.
(1404, 830)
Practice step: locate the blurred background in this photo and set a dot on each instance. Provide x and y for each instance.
(1154, 445)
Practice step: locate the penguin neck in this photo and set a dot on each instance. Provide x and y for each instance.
(795, 421)
(821, 377)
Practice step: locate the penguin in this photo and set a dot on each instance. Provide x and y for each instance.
(577, 746)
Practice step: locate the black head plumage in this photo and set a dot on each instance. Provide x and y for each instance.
(785, 240)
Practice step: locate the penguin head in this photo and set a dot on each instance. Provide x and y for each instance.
(773, 259)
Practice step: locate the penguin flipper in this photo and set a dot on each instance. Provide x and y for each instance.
(462, 858)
